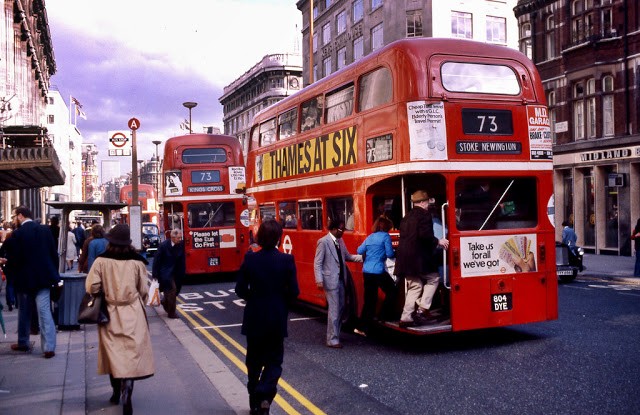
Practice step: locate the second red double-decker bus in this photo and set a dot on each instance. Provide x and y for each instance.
(465, 121)
(147, 199)
(204, 177)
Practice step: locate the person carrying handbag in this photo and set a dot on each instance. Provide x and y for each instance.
(124, 351)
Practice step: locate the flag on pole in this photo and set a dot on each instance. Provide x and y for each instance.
(80, 113)
(78, 109)
(76, 102)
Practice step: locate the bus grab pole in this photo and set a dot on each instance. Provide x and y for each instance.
(445, 279)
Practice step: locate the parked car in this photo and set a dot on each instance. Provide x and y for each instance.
(150, 238)
(568, 261)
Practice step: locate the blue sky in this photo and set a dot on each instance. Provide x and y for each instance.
(144, 58)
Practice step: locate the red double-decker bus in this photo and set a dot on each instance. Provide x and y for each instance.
(204, 180)
(147, 199)
(467, 122)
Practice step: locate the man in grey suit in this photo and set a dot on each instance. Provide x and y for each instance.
(330, 271)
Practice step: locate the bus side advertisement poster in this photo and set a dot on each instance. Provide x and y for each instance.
(219, 238)
(540, 141)
(173, 183)
(427, 130)
(502, 254)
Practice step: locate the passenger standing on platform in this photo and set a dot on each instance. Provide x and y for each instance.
(415, 260)
(124, 344)
(267, 282)
(376, 249)
(169, 266)
(636, 237)
(32, 260)
(330, 269)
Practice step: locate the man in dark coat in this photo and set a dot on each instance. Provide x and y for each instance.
(267, 282)
(168, 268)
(32, 258)
(415, 260)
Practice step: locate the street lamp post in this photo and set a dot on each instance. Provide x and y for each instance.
(157, 170)
(190, 105)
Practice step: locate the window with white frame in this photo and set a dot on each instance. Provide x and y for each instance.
(578, 111)
(315, 12)
(496, 29)
(608, 129)
(582, 21)
(326, 33)
(375, 4)
(342, 57)
(50, 119)
(606, 18)
(591, 108)
(341, 22)
(327, 4)
(551, 102)
(358, 10)
(525, 40)
(550, 37)
(315, 42)
(315, 72)
(358, 48)
(326, 64)
(377, 37)
(414, 23)
(462, 25)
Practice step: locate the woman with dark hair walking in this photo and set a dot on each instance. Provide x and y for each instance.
(124, 351)
(267, 282)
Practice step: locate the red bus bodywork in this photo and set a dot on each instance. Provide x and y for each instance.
(444, 115)
(203, 185)
(147, 199)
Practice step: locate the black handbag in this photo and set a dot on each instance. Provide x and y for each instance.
(93, 309)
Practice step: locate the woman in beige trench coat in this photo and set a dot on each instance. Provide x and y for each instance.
(124, 352)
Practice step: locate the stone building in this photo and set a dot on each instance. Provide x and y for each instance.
(588, 56)
(346, 30)
(28, 161)
(267, 82)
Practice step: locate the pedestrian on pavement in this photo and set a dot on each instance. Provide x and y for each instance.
(569, 236)
(124, 343)
(415, 260)
(80, 235)
(72, 252)
(96, 246)
(54, 225)
(10, 295)
(330, 269)
(169, 266)
(32, 265)
(376, 249)
(636, 237)
(267, 282)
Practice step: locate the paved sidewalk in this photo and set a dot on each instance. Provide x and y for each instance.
(189, 377)
(613, 268)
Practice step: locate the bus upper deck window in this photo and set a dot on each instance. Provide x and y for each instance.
(268, 132)
(479, 78)
(204, 155)
(288, 123)
(375, 89)
(311, 113)
(339, 104)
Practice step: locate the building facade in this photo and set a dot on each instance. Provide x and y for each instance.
(345, 30)
(28, 161)
(273, 78)
(588, 55)
(91, 190)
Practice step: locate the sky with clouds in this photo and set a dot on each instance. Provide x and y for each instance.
(144, 58)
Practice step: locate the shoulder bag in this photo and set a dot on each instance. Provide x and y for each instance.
(93, 309)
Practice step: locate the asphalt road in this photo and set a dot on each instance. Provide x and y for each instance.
(585, 362)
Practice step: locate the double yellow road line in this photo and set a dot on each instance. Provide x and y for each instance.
(197, 321)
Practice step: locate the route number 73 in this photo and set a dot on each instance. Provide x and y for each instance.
(490, 121)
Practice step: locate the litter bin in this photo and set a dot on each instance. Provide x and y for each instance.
(69, 303)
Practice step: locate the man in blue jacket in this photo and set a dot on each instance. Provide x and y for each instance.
(168, 268)
(32, 258)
